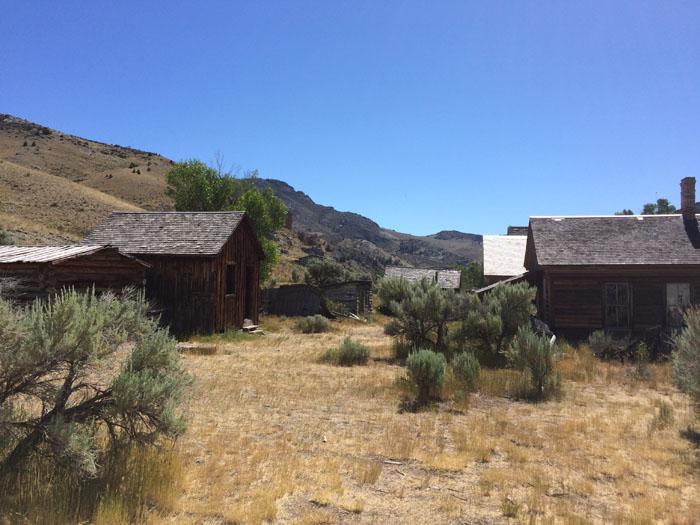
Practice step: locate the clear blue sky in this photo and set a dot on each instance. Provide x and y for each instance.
(421, 115)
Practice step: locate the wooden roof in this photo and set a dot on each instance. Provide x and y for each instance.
(167, 233)
(613, 240)
(445, 278)
(42, 254)
(504, 255)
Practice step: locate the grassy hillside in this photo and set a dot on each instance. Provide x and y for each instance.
(54, 187)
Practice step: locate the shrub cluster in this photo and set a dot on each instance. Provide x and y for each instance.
(312, 324)
(466, 368)
(349, 353)
(686, 356)
(533, 353)
(426, 370)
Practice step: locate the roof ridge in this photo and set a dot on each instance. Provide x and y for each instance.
(123, 212)
(603, 216)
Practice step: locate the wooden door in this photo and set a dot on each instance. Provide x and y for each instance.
(677, 300)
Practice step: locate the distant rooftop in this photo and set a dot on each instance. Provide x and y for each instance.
(41, 254)
(504, 255)
(449, 279)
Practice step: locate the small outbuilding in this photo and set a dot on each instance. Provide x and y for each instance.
(205, 266)
(354, 297)
(36, 272)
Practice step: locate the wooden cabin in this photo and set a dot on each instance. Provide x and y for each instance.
(205, 266)
(36, 272)
(625, 274)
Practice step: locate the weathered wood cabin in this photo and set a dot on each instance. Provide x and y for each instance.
(626, 274)
(36, 272)
(205, 266)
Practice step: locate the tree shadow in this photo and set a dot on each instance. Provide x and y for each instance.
(691, 435)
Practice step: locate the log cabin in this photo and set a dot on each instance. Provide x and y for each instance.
(204, 266)
(626, 274)
(37, 272)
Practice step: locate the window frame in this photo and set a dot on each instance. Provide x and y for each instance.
(617, 306)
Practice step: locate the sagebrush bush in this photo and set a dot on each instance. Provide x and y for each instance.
(349, 353)
(426, 369)
(466, 368)
(313, 324)
(604, 345)
(686, 356)
(532, 352)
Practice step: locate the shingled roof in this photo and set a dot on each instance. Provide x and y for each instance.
(167, 233)
(445, 278)
(613, 240)
(42, 254)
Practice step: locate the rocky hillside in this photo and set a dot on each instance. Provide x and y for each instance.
(54, 187)
(358, 240)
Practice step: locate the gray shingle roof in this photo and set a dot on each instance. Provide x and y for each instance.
(614, 240)
(504, 255)
(167, 233)
(40, 254)
(445, 278)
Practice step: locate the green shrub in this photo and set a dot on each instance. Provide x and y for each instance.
(391, 291)
(686, 356)
(312, 324)
(532, 352)
(466, 368)
(349, 353)
(426, 369)
(5, 238)
(604, 345)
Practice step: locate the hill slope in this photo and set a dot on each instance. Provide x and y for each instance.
(55, 187)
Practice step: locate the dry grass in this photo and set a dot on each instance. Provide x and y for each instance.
(277, 437)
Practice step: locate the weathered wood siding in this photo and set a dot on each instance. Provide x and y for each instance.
(190, 291)
(355, 296)
(104, 271)
(571, 300)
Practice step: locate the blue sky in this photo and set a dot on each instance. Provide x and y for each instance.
(423, 116)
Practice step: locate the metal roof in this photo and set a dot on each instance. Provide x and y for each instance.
(39, 254)
(167, 233)
(504, 255)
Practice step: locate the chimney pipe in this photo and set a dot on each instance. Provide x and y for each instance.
(688, 198)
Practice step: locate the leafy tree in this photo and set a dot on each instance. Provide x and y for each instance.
(321, 272)
(194, 186)
(686, 356)
(626, 211)
(660, 207)
(67, 381)
(472, 276)
(267, 214)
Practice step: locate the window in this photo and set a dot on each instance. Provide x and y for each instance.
(230, 279)
(677, 300)
(617, 305)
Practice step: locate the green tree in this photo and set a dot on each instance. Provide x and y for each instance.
(390, 291)
(267, 214)
(472, 276)
(67, 381)
(660, 207)
(626, 211)
(321, 272)
(194, 186)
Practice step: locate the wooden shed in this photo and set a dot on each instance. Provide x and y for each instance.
(35, 272)
(625, 274)
(205, 266)
(302, 299)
